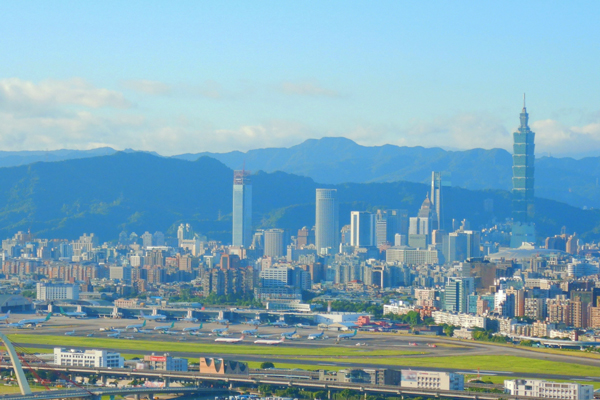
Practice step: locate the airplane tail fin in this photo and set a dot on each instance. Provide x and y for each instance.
(172, 325)
(144, 324)
(200, 327)
(48, 316)
(142, 313)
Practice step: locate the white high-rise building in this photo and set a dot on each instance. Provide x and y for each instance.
(242, 209)
(327, 226)
(362, 229)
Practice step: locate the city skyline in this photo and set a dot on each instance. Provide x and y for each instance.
(237, 76)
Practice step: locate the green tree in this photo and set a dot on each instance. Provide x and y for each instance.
(267, 365)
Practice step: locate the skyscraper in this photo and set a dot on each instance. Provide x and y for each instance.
(523, 229)
(327, 224)
(362, 229)
(438, 181)
(273, 243)
(242, 209)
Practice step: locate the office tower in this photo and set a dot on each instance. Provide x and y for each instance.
(273, 243)
(438, 181)
(457, 291)
(523, 228)
(327, 226)
(421, 226)
(362, 229)
(389, 223)
(242, 209)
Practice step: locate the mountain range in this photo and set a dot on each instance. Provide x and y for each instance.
(145, 192)
(340, 160)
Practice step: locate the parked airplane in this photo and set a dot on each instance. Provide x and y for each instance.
(164, 327)
(255, 322)
(71, 333)
(145, 331)
(192, 328)
(347, 335)
(34, 321)
(288, 334)
(114, 335)
(302, 326)
(136, 326)
(156, 317)
(280, 324)
(220, 330)
(250, 332)
(198, 333)
(222, 321)
(229, 340)
(189, 319)
(316, 335)
(5, 317)
(270, 342)
(74, 314)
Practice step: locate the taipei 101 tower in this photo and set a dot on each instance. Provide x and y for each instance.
(523, 228)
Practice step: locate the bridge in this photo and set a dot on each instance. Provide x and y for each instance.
(83, 393)
(252, 380)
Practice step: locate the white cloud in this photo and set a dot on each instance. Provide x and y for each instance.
(552, 137)
(24, 96)
(307, 89)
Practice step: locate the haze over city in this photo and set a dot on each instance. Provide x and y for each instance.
(223, 76)
(266, 200)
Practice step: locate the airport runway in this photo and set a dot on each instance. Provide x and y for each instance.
(58, 325)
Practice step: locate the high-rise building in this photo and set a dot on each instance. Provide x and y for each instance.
(389, 223)
(421, 226)
(438, 181)
(274, 243)
(523, 228)
(362, 229)
(327, 226)
(242, 209)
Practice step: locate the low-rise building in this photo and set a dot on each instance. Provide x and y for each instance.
(432, 380)
(165, 363)
(209, 365)
(88, 358)
(548, 390)
(459, 319)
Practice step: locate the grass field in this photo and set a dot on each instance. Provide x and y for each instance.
(486, 363)
(145, 345)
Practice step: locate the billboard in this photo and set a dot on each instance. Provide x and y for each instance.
(409, 376)
(158, 358)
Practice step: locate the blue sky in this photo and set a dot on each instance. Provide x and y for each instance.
(177, 77)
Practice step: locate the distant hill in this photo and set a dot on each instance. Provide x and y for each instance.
(16, 158)
(140, 191)
(339, 160)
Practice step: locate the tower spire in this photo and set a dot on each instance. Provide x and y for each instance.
(523, 101)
